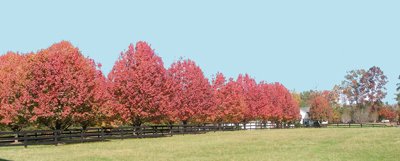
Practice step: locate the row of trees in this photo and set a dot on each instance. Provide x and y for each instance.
(359, 98)
(58, 87)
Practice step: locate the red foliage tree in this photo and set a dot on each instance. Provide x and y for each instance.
(229, 100)
(193, 100)
(291, 110)
(267, 111)
(218, 85)
(320, 108)
(139, 86)
(387, 113)
(65, 87)
(15, 101)
(252, 96)
(234, 104)
(278, 104)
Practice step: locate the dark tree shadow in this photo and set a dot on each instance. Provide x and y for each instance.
(1, 159)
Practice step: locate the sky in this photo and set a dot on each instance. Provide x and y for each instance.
(308, 44)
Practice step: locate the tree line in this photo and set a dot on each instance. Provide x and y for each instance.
(357, 99)
(58, 88)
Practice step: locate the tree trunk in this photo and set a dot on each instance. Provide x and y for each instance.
(237, 126)
(136, 123)
(170, 127)
(278, 124)
(184, 122)
(264, 124)
(137, 128)
(17, 129)
(16, 138)
(58, 125)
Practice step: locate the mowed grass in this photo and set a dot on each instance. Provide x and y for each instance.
(278, 145)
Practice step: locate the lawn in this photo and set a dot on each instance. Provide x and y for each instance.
(277, 145)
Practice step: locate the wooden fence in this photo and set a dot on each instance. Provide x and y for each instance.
(55, 137)
(352, 125)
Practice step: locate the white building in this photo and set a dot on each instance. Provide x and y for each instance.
(304, 112)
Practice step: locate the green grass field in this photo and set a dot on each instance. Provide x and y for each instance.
(277, 145)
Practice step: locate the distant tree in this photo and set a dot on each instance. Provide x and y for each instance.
(331, 95)
(64, 86)
(296, 97)
(388, 113)
(352, 85)
(15, 101)
(336, 96)
(364, 89)
(337, 115)
(373, 86)
(193, 100)
(139, 86)
(305, 98)
(320, 108)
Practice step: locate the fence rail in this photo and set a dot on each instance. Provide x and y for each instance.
(43, 137)
(55, 137)
(352, 125)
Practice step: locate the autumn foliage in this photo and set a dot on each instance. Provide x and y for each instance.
(230, 100)
(58, 87)
(320, 109)
(282, 106)
(193, 99)
(65, 87)
(15, 101)
(245, 100)
(139, 86)
(387, 113)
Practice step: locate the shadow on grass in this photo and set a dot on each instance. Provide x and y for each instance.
(1, 159)
(75, 141)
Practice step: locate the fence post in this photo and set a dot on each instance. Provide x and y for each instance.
(170, 130)
(361, 125)
(141, 131)
(55, 137)
(121, 132)
(82, 136)
(25, 140)
(102, 134)
(349, 125)
(36, 137)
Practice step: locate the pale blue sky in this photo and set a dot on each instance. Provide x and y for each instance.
(302, 44)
